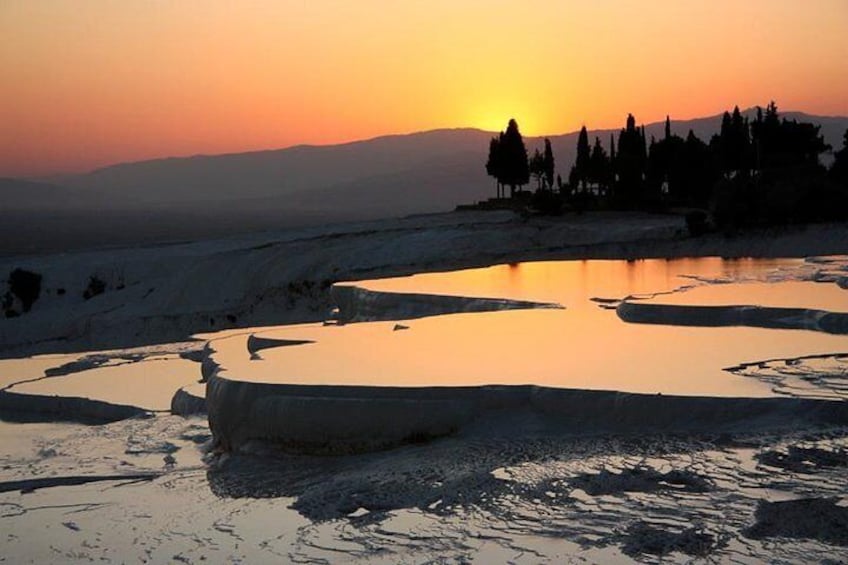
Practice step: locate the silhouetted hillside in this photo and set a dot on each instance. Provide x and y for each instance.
(273, 173)
(399, 174)
(204, 196)
(19, 194)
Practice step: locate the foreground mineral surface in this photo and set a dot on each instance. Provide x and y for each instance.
(631, 346)
(597, 411)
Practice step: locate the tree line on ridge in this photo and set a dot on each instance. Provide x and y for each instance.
(764, 171)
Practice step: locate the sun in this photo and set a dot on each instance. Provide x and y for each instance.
(495, 115)
(493, 122)
(498, 121)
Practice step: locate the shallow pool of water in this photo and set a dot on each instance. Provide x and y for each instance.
(585, 345)
(574, 283)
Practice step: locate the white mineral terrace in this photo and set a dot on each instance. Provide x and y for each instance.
(594, 411)
(313, 382)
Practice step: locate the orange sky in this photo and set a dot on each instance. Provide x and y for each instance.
(85, 83)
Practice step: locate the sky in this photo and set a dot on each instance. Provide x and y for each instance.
(87, 83)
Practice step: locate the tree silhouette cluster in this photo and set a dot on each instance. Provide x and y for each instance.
(763, 171)
(593, 166)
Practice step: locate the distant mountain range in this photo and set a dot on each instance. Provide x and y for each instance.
(386, 176)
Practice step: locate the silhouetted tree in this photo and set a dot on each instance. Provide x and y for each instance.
(835, 199)
(765, 133)
(699, 171)
(839, 168)
(600, 171)
(732, 145)
(780, 144)
(493, 163)
(630, 164)
(580, 171)
(666, 174)
(513, 158)
(656, 169)
(549, 164)
(760, 172)
(791, 184)
(613, 175)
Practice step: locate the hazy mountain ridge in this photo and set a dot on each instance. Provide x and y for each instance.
(389, 175)
(21, 194)
(275, 172)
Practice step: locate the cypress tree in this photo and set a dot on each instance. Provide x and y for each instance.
(516, 169)
(612, 154)
(584, 154)
(599, 167)
(549, 163)
(630, 163)
(493, 163)
(765, 132)
(739, 151)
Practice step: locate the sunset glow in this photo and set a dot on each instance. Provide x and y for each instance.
(88, 83)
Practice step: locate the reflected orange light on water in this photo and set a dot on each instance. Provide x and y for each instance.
(582, 346)
(574, 283)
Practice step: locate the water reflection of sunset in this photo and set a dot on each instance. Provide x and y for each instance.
(572, 283)
(583, 346)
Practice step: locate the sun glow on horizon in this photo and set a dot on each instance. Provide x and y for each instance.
(496, 120)
(91, 83)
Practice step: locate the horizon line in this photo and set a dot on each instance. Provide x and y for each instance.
(46, 177)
